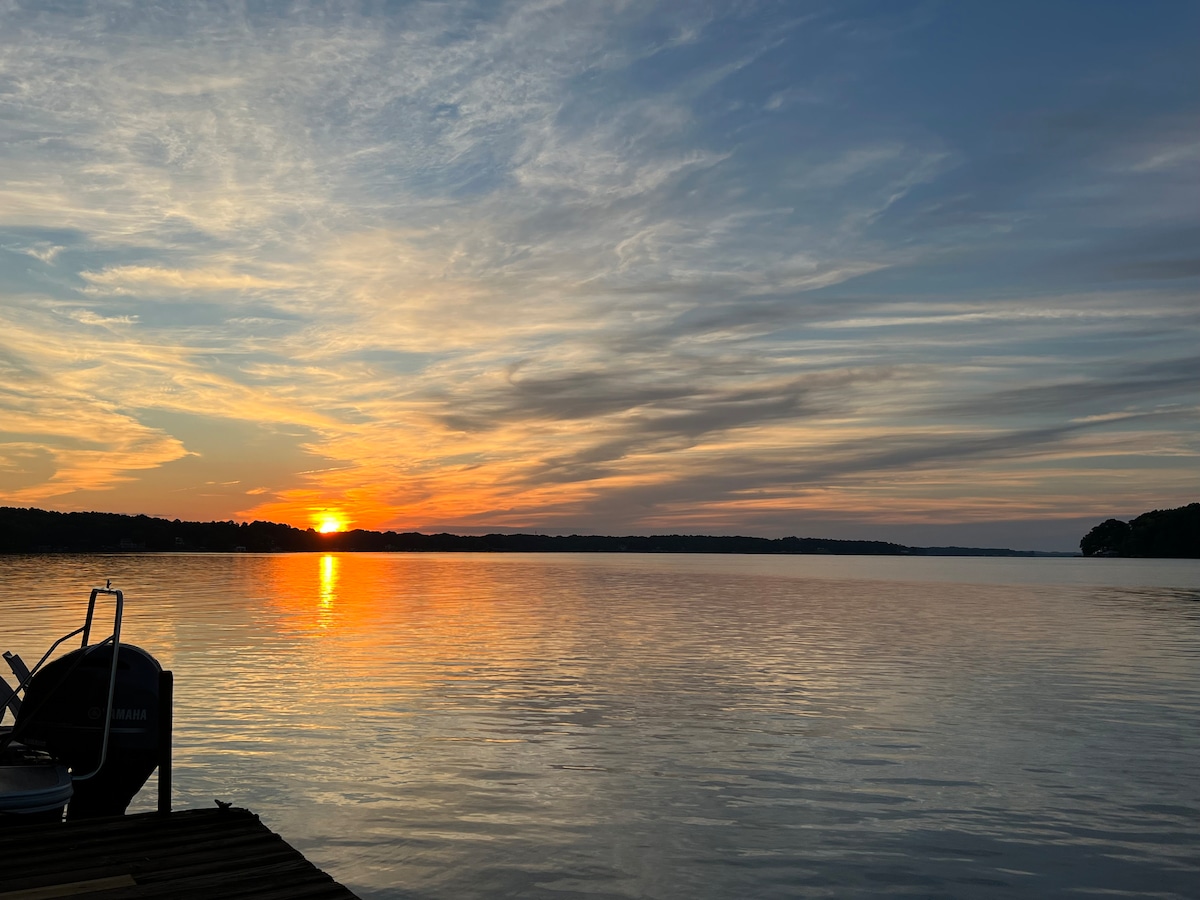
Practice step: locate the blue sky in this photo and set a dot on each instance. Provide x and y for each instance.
(923, 272)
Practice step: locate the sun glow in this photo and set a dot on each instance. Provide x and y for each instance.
(328, 522)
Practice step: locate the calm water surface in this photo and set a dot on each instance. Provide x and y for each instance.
(555, 726)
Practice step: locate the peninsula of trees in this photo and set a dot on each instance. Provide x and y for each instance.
(1159, 534)
(42, 531)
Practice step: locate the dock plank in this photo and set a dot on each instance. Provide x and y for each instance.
(197, 853)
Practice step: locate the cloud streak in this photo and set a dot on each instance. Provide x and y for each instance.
(597, 267)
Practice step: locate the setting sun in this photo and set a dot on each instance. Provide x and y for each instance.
(327, 523)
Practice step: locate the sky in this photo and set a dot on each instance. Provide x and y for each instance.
(926, 272)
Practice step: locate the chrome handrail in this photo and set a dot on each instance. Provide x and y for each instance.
(115, 640)
(86, 630)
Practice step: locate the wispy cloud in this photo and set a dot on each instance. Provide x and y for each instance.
(594, 267)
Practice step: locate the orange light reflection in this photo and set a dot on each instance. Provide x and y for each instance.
(328, 589)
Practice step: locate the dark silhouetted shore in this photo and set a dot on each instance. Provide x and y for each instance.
(43, 531)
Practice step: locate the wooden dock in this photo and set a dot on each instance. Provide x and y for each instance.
(195, 854)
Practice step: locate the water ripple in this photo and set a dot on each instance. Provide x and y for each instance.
(437, 726)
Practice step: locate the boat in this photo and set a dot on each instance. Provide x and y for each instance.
(89, 727)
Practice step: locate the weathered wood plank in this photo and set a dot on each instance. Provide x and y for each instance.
(70, 889)
(189, 854)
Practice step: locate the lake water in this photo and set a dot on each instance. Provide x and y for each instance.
(625, 726)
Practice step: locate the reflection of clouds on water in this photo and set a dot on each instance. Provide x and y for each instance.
(1173, 600)
(682, 726)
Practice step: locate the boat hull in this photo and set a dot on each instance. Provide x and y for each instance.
(33, 787)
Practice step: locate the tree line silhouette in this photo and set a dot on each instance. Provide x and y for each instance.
(1159, 534)
(43, 531)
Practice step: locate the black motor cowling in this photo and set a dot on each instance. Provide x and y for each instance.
(63, 714)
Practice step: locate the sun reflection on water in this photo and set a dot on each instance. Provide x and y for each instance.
(475, 719)
(328, 589)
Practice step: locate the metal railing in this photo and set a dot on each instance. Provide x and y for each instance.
(166, 690)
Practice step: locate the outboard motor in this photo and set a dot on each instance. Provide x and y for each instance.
(63, 714)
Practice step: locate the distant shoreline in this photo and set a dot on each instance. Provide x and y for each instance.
(34, 531)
